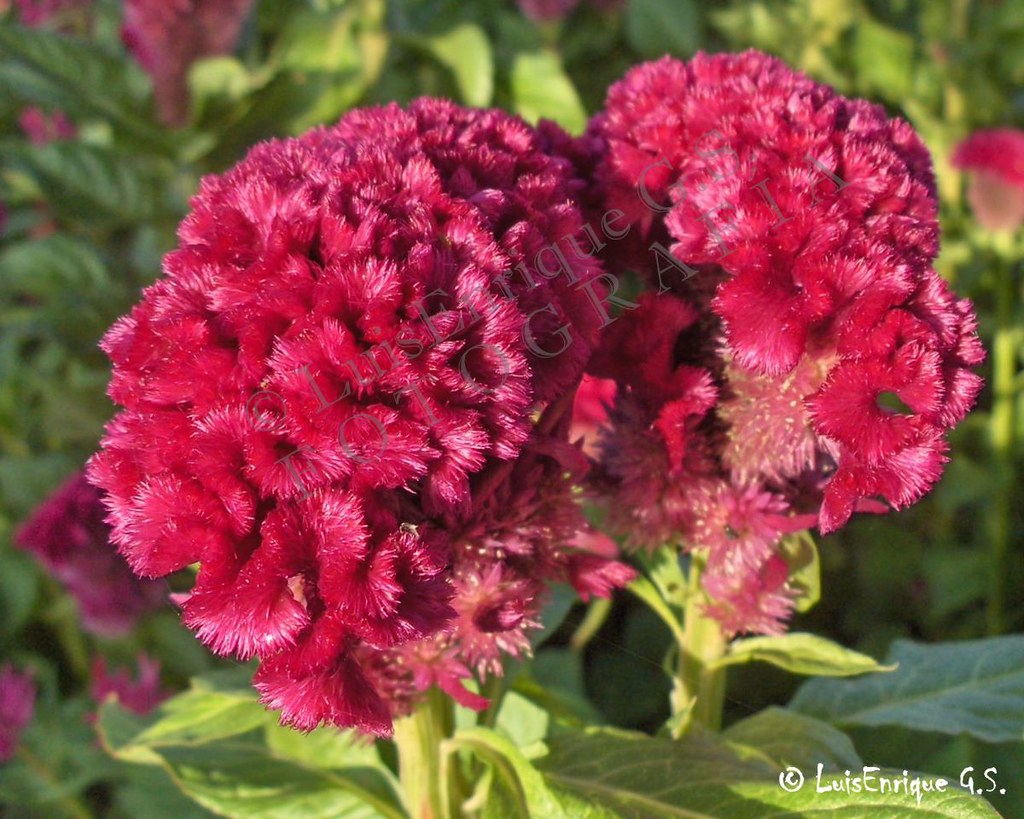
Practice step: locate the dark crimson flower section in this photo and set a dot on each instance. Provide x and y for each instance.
(344, 396)
(800, 358)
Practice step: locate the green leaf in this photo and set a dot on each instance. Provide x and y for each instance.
(663, 570)
(974, 687)
(59, 72)
(788, 738)
(542, 90)
(884, 58)
(801, 653)
(801, 555)
(609, 774)
(199, 716)
(517, 788)
(244, 781)
(525, 723)
(88, 183)
(657, 27)
(466, 52)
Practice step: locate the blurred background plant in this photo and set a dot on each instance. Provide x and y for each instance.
(109, 115)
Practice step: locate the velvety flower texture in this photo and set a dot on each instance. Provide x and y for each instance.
(167, 36)
(139, 695)
(590, 410)
(328, 395)
(68, 536)
(994, 159)
(17, 703)
(800, 358)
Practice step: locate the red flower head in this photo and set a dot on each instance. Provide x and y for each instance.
(68, 536)
(40, 12)
(791, 232)
(167, 36)
(335, 378)
(17, 703)
(995, 161)
(41, 128)
(590, 409)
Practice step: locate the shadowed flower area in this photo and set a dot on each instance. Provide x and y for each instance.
(802, 359)
(68, 536)
(343, 400)
(994, 160)
(17, 701)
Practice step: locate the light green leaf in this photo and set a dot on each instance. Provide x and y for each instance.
(801, 555)
(648, 592)
(466, 52)
(788, 738)
(244, 781)
(884, 58)
(517, 788)
(522, 721)
(610, 774)
(541, 89)
(663, 569)
(801, 653)
(198, 716)
(657, 27)
(974, 687)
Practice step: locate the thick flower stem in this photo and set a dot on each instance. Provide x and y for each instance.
(699, 687)
(1003, 433)
(418, 739)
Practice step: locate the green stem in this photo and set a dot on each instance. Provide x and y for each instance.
(1002, 431)
(426, 791)
(699, 690)
(597, 612)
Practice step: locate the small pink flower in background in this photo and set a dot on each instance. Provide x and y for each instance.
(808, 360)
(543, 11)
(41, 128)
(17, 703)
(139, 695)
(167, 36)
(40, 12)
(994, 160)
(68, 536)
(590, 410)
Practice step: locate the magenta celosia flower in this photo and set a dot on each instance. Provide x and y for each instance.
(994, 159)
(41, 128)
(167, 36)
(543, 11)
(808, 360)
(68, 536)
(139, 695)
(332, 386)
(17, 703)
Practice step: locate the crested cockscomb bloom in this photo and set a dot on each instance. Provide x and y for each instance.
(68, 536)
(329, 388)
(139, 694)
(801, 227)
(994, 160)
(17, 704)
(167, 36)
